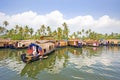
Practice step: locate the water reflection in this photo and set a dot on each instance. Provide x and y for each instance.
(32, 69)
(86, 59)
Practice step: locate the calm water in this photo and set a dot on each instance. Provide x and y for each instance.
(102, 63)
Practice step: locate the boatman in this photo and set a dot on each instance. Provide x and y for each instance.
(40, 51)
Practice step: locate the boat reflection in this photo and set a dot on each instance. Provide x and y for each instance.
(32, 69)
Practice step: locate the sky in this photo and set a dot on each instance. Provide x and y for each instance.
(102, 16)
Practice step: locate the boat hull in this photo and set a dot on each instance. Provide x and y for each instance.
(29, 59)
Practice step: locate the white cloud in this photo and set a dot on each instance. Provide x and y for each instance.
(104, 24)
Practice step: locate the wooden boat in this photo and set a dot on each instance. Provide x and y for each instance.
(4, 44)
(23, 44)
(61, 43)
(118, 43)
(75, 43)
(111, 42)
(44, 48)
(92, 43)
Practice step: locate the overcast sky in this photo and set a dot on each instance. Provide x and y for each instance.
(102, 16)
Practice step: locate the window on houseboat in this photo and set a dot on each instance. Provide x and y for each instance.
(44, 50)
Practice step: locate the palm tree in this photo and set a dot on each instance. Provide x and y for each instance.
(5, 23)
(59, 32)
(2, 30)
(106, 36)
(31, 31)
(54, 34)
(65, 31)
(87, 32)
(17, 29)
(83, 33)
(10, 33)
(43, 30)
(83, 30)
(79, 33)
(26, 30)
(21, 33)
(74, 35)
(49, 31)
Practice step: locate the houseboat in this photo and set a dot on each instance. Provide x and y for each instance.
(4, 43)
(75, 43)
(111, 42)
(61, 43)
(21, 44)
(92, 43)
(37, 51)
(118, 43)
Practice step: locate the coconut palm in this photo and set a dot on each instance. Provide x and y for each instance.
(21, 30)
(83, 30)
(2, 29)
(54, 34)
(59, 32)
(17, 28)
(5, 23)
(65, 31)
(26, 30)
(87, 32)
(43, 28)
(31, 31)
(49, 31)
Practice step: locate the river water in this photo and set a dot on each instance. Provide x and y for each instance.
(88, 63)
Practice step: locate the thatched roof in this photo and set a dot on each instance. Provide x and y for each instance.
(47, 38)
(90, 41)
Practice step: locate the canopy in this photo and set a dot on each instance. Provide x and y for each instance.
(31, 46)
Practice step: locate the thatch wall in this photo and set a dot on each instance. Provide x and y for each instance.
(115, 41)
(63, 43)
(74, 42)
(47, 46)
(91, 41)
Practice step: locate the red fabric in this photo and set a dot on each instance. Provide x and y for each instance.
(30, 51)
(40, 52)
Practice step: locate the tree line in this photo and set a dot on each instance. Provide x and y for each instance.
(63, 32)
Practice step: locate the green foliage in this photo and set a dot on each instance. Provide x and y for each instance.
(25, 32)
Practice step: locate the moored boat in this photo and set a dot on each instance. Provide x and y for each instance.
(61, 43)
(21, 44)
(75, 43)
(92, 43)
(4, 43)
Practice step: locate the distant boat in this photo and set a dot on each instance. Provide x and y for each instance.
(4, 43)
(61, 43)
(92, 43)
(18, 45)
(75, 43)
(21, 44)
